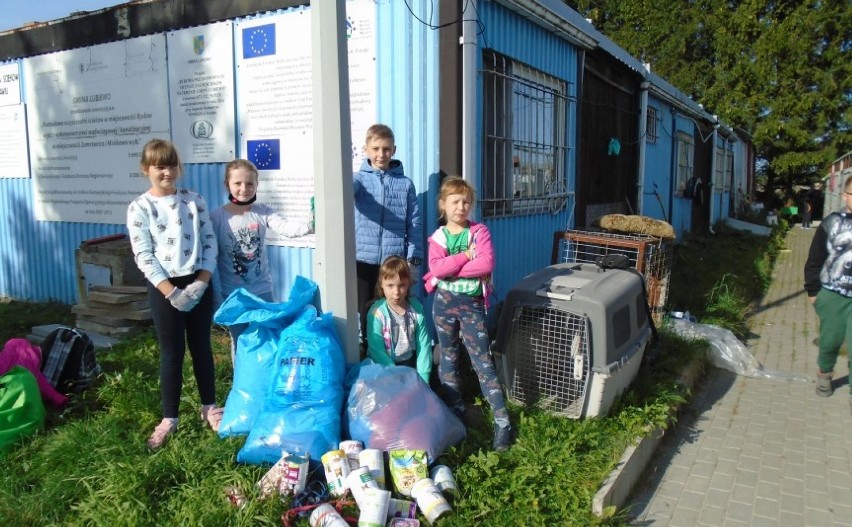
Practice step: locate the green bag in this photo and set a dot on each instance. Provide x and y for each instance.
(21, 407)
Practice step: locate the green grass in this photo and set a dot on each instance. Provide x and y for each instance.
(720, 278)
(90, 466)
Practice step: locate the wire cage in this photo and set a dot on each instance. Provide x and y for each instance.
(649, 255)
(556, 370)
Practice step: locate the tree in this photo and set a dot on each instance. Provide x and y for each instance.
(780, 70)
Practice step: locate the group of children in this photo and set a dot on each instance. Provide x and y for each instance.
(180, 246)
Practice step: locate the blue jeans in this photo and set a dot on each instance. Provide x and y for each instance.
(461, 317)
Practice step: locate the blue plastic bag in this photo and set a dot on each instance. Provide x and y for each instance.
(256, 349)
(301, 412)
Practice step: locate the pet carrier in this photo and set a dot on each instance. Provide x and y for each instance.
(572, 337)
(649, 255)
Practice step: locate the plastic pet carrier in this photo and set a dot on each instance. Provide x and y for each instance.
(571, 338)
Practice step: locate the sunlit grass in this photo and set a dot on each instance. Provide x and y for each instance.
(89, 467)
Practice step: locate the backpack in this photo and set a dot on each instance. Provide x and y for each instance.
(68, 359)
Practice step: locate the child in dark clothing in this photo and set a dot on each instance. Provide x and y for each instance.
(828, 282)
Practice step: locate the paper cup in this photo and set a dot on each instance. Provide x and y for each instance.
(358, 481)
(430, 500)
(374, 510)
(336, 466)
(375, 460)
(326, 516)
(352, 448)
(444, 480)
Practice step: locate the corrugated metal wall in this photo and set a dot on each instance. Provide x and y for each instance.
(38, 257)
(658, 165)
(523, 243)
(408, 76)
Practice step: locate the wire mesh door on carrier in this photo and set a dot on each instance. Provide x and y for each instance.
(649, 255)
(552, 368)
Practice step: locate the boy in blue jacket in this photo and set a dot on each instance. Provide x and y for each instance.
(387, 215)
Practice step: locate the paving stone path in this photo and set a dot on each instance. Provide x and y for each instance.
(757, 451)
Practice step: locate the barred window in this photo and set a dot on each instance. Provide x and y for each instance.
(651, 126)
(724, 169)
(525, 114)
(685, 159)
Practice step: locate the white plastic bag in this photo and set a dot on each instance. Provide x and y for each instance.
(727, 352)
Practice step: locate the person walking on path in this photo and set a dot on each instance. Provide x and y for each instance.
(828, 281)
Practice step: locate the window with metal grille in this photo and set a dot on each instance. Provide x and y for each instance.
(525, 115)
(724, 169)
(685, 157)
(651, 126)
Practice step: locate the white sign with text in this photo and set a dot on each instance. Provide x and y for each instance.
(10, 84)
(201, 73)
(13, 142)
(90, 112)
(275, 99)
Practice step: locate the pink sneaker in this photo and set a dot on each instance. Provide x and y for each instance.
(161, 433)
(212, 415)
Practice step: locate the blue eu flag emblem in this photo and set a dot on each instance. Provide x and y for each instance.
(265, 153)
(259, 41)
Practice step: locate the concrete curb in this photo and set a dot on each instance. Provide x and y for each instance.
(617, 487)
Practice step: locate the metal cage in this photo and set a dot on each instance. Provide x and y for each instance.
(553, 372)
(649, 255)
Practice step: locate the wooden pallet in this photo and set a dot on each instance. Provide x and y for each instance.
(114, 310)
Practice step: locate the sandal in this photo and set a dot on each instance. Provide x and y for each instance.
(161, 433)
(212, 415)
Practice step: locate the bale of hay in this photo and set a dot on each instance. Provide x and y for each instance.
(637, 225)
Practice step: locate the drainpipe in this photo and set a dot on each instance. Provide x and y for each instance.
(673, 180)
(469, 70)
(643, 129)
(712, 185)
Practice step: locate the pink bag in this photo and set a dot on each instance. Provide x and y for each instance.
(20, 352)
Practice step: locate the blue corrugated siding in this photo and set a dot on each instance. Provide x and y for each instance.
(38, 256)
(658, 165)
(408, 97)
(523, 243)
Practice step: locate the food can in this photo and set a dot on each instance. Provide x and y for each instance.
(295, 475)
(401, 509)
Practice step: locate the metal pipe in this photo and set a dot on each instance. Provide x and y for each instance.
(643, 129)
(468, 43)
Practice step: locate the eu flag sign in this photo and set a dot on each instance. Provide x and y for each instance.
(265, 153)
(259, 41)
